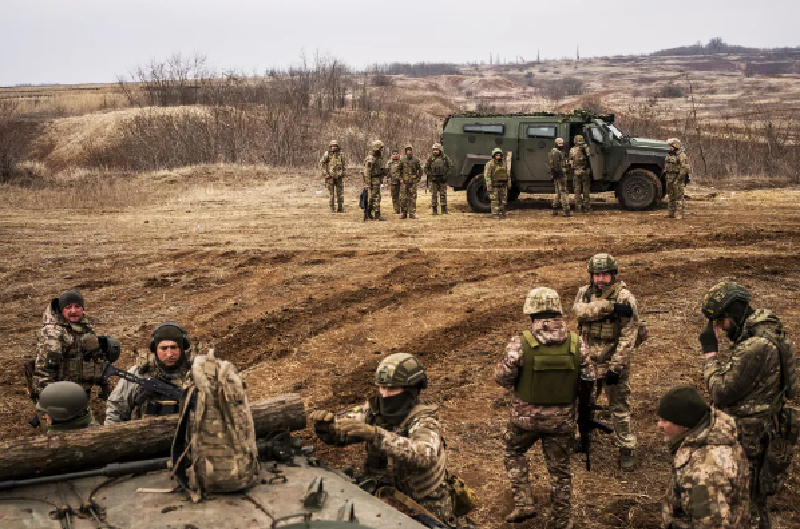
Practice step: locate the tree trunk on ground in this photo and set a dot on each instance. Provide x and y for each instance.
(131, 441)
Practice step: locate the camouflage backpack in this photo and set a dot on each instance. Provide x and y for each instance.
(214, 449)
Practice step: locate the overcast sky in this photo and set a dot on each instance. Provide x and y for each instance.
(81, 41)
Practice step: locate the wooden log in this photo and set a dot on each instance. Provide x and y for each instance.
(143, 439)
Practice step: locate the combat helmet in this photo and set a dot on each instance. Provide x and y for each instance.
(719, 298)
(674, 142)
(63, 401)
(333, 143)
(496, 150)
(578, 139)
(559, 142)
(602, 263)
(437, 146)
(543, 301)
(401, 370)
(377, 145)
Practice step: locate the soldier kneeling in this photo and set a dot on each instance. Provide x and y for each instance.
(64, 406)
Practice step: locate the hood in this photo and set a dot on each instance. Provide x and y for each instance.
(719, 429)
(644, 143)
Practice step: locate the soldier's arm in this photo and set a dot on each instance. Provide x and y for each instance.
(327, 432)
(448, 163)
(420, 449)
(48, 351)
(730, 381)
(419, 169)
(428, 164)
(683, 164)
(344, 166)
(506, 372)
(367, 171)
(323, 165)
(587, 366)
(120, 405)
(487, 174)
(590, 311)
(628, 332)
(706, 490)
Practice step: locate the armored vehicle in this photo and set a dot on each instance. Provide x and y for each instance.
(631, 167)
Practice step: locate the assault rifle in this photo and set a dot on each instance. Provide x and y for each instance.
(152, 386)
(586, 421)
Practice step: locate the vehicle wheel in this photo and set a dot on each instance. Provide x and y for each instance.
(513, 193)
(639, 189)
(477, 197)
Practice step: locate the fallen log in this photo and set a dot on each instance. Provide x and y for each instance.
(77, 450)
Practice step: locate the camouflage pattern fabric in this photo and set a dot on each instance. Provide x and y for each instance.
(676, 167)
(334, 168)
(708, 485)
(610, 343)
(438, 194)
(562, 197)
(438, 169)
(410, 175)
(129, 401)
(393, 170)
(556, 163)
(335, 186)
(498, 190)
(748, 387)
(373, 178)
(581, 177)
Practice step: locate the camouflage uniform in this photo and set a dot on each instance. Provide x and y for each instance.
(334, 169)
(67, 406)
(498, 188)
(410, 174)
(610, 340)
(373, 178)
(559, 181)
(393, 171)
(581, 176)
(708, 485)
(438, 168)
(81, 423)
(528, 423)
(676, 168)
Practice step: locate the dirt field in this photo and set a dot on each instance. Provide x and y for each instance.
(306, 301)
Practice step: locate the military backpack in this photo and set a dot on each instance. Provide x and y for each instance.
(550, 373)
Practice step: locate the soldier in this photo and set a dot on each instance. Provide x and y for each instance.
(608, 321)
(676, 174)
(65, 406)
(438, 169)
(495, 174)
(751, 386)
(559, 178)
(170, 362)
(373, 178)
(403, 437)
(410, 175)
(392, 169)
(708, 484)
(544, 403)
(581, 176)
(334, 168)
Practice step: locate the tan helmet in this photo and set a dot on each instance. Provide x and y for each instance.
(674, 142)
(63, 401)
(559, 141)
(578, 139)
(408, 146)
(332, 143)
(401, 370)
(377, 145)
(436, 146)
(542, 300)
(602, 263)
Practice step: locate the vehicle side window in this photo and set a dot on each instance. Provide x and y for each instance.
(540, 132)
(484, 128)
(597, 135)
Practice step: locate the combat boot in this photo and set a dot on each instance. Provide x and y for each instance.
(503, 216)
(444, 210)
(626, 460)
(378, 217)
(403, 216)
(567, 214)
(555, 213)
(412, 216)
(333, 209)
(578, 210)
(520, 514)
(433, 210)
(340, 209)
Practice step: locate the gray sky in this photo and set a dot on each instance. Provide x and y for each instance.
(81, 41)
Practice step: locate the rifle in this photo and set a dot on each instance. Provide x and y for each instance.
(427, 181)
(586, 421)
(153, 386)
(409, 507)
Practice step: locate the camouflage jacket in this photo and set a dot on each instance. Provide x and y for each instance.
(59, 343)
(556, 163)
(333, 164)
(488, 172)
(578, 158)
(709, 482)
(749, 384)
(410, 169)
(609, 338)
(373, 168)
(548, 419)
(438, 167)
(676, 165)
(129, 400)
(393, 171)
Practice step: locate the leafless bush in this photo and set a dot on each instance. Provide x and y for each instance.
(767, 68)
(381, 80)
(558, 89)
(15, 136)
(419, 69)
(671, 91)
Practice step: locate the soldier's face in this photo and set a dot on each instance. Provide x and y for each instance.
(409, 153)
(395, 156)
(436, 152)
(72, 313)
(389, 392)
(601, 280)
(334, 148)
(722, 324)
(670, 429)
(168, 352)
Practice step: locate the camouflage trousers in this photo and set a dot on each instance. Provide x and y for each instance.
(675, 191)
(374, 190)
(396, 195)
(499, 196)
(438, 193)
(335, 187)
(581, 184)
(754, 433)
(408, 196)
(619, 405)
(556, 449)
(562, 197)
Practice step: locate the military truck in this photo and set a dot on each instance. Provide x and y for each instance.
(631, 167)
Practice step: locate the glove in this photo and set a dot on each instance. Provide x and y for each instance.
(708, 339)
(356, 430)
(686, 180)
(320, 416)
(623, 309)
(612, 378)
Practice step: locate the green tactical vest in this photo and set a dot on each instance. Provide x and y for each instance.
(500, 173)
(550, 373)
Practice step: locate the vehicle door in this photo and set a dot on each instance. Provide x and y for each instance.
(535, 142)
(594, 137)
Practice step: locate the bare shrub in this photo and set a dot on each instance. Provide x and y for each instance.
(767, 68)
(671, 91)
(419, 69)
(558, 89)
(15, 136)
(381, 80)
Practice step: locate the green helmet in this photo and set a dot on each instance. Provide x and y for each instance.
(542, 300)
(401, 370)
(63, 401)
(720, 297)
(496, 150)
(602, 263)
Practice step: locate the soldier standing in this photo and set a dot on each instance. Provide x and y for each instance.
(373, 178)
(608, 320)
(676, 174)
(753, 384)
(581, 176)
(393, 171)
(559, 178)
(438, 169)
(64, 406)
(410, 175)
(169, 361)
(495, 174)
(708, 484)
(334, 168)
(544, 404)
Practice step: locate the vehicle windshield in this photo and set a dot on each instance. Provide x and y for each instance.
(616, 132)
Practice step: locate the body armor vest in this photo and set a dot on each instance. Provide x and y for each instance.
(335, 164)
(579, 159)
(500, 173)
(606, 330)
(438, 167)
(671, 164)
(550, 373)
(152, 405)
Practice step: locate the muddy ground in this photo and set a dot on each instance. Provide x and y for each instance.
(306, 301)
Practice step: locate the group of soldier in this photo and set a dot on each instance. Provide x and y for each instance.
(404, 173)
(728, 457)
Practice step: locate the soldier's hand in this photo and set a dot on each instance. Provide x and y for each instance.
(708, 339)
(321, 416)
(686, 180)
(623, 309)
(612, 378)
(356, 430)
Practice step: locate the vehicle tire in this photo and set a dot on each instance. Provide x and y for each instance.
(639, 189)
(477, 196)
(513, 193)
